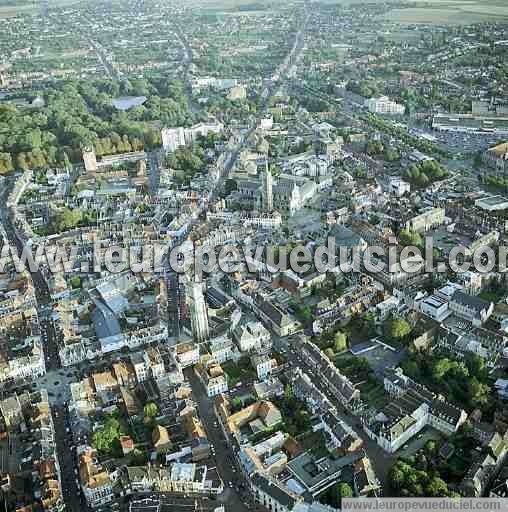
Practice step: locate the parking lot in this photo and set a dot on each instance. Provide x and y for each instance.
(457, 142)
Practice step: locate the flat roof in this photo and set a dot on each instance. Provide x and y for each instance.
(469, 121)
(492, 202)
(311, 472)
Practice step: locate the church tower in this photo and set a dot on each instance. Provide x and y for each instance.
(267, 188)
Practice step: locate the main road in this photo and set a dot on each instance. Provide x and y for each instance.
(236, 495)
(42, 294)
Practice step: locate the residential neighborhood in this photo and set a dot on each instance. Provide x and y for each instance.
(252, 254)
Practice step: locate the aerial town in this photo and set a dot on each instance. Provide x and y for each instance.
(223, 138)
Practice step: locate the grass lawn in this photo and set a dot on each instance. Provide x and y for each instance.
(492, 295)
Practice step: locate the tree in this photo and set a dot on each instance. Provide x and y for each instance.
(374, 148)
(304, 314)
(150, 410)
(410, 238)
(391, 155)
(21, 162)
(106, 439)
(337, 492)
(5, 163)
(75, 282)
(476, 366)
(430, 448)
(397, 329)
(440, 368)
(478, 392)
(344, 490)
(340, 344)
(236, 404)
(288, 393)
(437, 488)
(68, 219)
(422, 180)
(330, 354)
(397, 477)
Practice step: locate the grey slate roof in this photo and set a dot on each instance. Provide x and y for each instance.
(104, 320)
(470, 301)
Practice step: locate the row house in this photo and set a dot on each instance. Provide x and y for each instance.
(305, 391)
(340, 386)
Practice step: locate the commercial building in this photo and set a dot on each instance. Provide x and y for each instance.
(492, 203)
(258, 417)
(467, 123)
(315, 476)
(383, 105)
(435, 307)
(273, 495)
(174, 138)
(263, 364)
(252, 337)
(96, 484)
(213, 379)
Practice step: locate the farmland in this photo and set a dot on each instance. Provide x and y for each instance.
(9, 9)
(445, 12)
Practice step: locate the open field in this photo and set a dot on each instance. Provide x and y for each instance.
(444, 12)
(247, 7)
(7, 11)
(441, 16)
(450, 12)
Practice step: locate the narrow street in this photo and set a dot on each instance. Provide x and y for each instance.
(235, 497)
(43, 297)
(68, 463)
(154, 172)
(379, 458)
